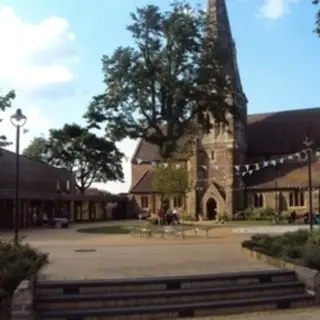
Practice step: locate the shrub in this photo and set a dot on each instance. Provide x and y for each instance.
(301, 245)
(311, 256)
(18, 262)
(240, 216)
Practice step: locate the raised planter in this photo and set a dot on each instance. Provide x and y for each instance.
(310, 277)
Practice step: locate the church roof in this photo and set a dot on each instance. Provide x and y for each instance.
(269, 134)
(282, 132)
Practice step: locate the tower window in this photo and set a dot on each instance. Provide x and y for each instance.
(212, 156)
(258, 200)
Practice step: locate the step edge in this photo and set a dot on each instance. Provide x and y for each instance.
(156, 280)
(161, 293)
(170, 307)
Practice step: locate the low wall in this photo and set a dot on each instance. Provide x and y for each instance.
(309, 276)
(22, 301)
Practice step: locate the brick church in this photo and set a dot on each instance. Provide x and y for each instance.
(274, 139)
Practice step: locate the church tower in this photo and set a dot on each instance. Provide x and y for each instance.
(224, 146)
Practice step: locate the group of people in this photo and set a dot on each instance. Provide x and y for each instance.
(168, 216)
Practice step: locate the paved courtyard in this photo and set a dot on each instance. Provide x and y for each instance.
(75, 255)
(127, 256)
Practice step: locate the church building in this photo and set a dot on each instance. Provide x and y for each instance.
(259, 163)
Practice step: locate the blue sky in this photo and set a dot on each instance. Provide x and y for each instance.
(277, 55)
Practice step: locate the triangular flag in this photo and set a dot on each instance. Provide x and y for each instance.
(257, 166)
(290, 157)
(126, 159)
(204, 167)
(153, 163)
(139, 161)
(274, 162)
(250, 171)
(244, 173)
(177, 165)
(247, 166)
(165, 165)
(265, 163)
(317, 153)
(281, 160)
(237, 167)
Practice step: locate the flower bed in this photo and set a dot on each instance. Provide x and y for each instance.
(299, 247)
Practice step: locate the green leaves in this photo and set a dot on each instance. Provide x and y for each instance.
(91, 158)
(170, 178)
(76, 149)
(5, 102)
(37, 149)
(156, 89)
(317, 29)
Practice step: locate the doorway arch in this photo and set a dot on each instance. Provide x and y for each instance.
(211, 209)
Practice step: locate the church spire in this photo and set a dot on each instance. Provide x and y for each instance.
(220, 28)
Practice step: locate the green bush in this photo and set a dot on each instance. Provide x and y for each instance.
(18, 262)
(297, 238)
(311, 256)
(255, 214)
(301, 246)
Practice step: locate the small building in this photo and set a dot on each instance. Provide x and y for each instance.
(45, 189)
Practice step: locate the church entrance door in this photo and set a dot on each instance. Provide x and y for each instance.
(211, 209)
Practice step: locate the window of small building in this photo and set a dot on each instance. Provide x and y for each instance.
(296, 199)
(177, 201)
(58, 187)
(68, 185)
(258, 200)
(144, 202)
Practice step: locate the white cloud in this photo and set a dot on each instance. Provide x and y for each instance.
(35, 57)
(275, 9)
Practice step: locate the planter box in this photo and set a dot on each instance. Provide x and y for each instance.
(310, 277)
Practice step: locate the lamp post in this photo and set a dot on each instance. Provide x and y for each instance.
(18, 120)
(309, 143)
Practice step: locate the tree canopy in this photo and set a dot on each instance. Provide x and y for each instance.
(89, 157)
(173, 75)
(5, 102)
(170, 179)
(317, 29)
(37, 149)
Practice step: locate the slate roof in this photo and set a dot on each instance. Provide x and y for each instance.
(275, 133)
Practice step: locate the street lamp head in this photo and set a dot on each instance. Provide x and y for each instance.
(18, 119)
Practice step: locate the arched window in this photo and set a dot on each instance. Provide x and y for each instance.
(258, 200)
(296, 199)
(177, 201)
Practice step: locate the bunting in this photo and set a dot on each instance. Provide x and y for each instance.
(250, 168)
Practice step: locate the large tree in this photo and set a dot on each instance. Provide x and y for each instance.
(37, 149)
(89, 157)
(172, 75)
(5, 102)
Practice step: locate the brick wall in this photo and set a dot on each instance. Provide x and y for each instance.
(270, 200)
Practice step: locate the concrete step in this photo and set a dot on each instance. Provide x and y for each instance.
(162, 283)
(180, 310)
(191, 295)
